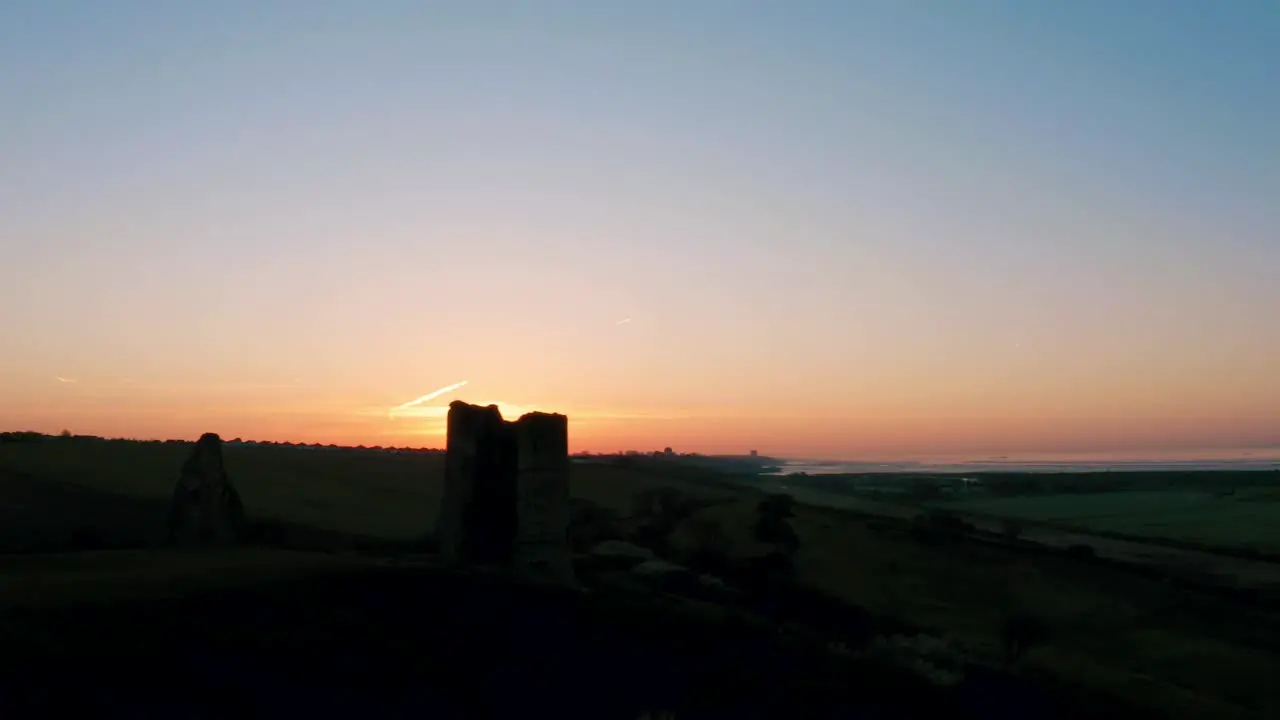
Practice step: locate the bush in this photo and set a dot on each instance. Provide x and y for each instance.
(1019, 633)
(657, 512)
(938, 526)
(1082, 551)
(771, 524)
(591, 524)
(934, 658)
(87, 537)
(710, 551)
(767, 572)
(265, 531)
(1011, 529)
(777, 505)
(660, 502)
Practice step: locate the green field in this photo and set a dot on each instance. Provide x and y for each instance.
(364, 492)
(1248, 519)
(1190, 654)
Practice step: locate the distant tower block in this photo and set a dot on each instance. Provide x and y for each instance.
(542, 546)
(477, 522)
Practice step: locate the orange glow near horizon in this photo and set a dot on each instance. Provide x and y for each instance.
(296, 413)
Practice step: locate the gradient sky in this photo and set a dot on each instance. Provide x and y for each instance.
(838, 229)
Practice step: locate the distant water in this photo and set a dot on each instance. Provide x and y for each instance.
(1253, 460)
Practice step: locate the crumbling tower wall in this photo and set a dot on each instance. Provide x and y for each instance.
(542, 551)
(506, 493)
(477, 521)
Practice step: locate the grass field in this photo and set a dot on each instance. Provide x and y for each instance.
(1190, 654)
(1249, 519)
(379, 494)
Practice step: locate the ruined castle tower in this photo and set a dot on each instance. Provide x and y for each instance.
(478, 510)
(506, 493)
(542, 551)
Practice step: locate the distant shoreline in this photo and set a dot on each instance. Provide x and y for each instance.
(1021, 467)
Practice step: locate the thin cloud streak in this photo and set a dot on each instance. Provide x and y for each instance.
(64, 380)
(623, 321)
(439, 412)
(432, 417)
(515, 410)
(417, 402)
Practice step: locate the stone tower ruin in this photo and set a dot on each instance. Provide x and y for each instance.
(205, 507)
(506, 493)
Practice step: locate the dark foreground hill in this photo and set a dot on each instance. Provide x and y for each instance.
(421, 642)
(87, 521)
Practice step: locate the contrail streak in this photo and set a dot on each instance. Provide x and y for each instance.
(64, 380)
(426, 398)
(623, 321)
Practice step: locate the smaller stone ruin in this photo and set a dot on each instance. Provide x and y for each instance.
(205, 509)
(542, 498)
(506, 493)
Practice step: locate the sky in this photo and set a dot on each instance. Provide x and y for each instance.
(822, 229)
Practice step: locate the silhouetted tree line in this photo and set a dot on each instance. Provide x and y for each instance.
(25, 436)
(31, 436)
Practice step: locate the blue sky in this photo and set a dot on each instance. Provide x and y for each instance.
(859, 207)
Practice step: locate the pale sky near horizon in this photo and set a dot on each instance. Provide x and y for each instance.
(826, 229)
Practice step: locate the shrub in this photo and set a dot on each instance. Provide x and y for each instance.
(1019, 633)
(771, 524)
(777, 505)
(767, 572)
(265, 531)
(656, 513)
(1011, 529)
(87, 537)
(710, 551)
(660, 502)
(934, 658)
(591, 524)
(938, 526)
(1082, 551)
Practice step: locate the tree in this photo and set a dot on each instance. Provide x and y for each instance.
(771, 524)
(1019, 633)
(1011, 528)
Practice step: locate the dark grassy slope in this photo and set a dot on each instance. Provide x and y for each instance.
(46, 515)
(41, 514)
(1113, 630)
(421, 643)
